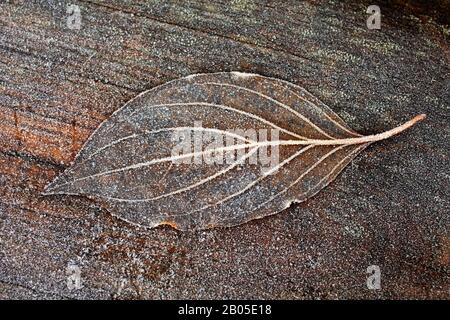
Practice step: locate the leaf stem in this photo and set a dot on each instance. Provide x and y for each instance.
(383, 135)
(349, 141)
(358, 140)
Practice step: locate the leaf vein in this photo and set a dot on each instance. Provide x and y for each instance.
(284, 106)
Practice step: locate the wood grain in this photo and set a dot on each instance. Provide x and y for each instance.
(389, 208)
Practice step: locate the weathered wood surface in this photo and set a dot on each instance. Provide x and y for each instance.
(389, 208)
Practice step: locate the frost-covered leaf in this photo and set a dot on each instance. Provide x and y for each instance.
(283, 146)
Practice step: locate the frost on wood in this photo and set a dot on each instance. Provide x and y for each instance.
(129, 166)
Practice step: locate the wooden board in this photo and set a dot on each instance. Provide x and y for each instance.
(389, 207)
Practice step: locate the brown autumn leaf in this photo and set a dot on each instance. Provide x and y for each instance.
(153, 163)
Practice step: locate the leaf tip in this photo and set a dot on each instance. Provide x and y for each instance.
(52, 188)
